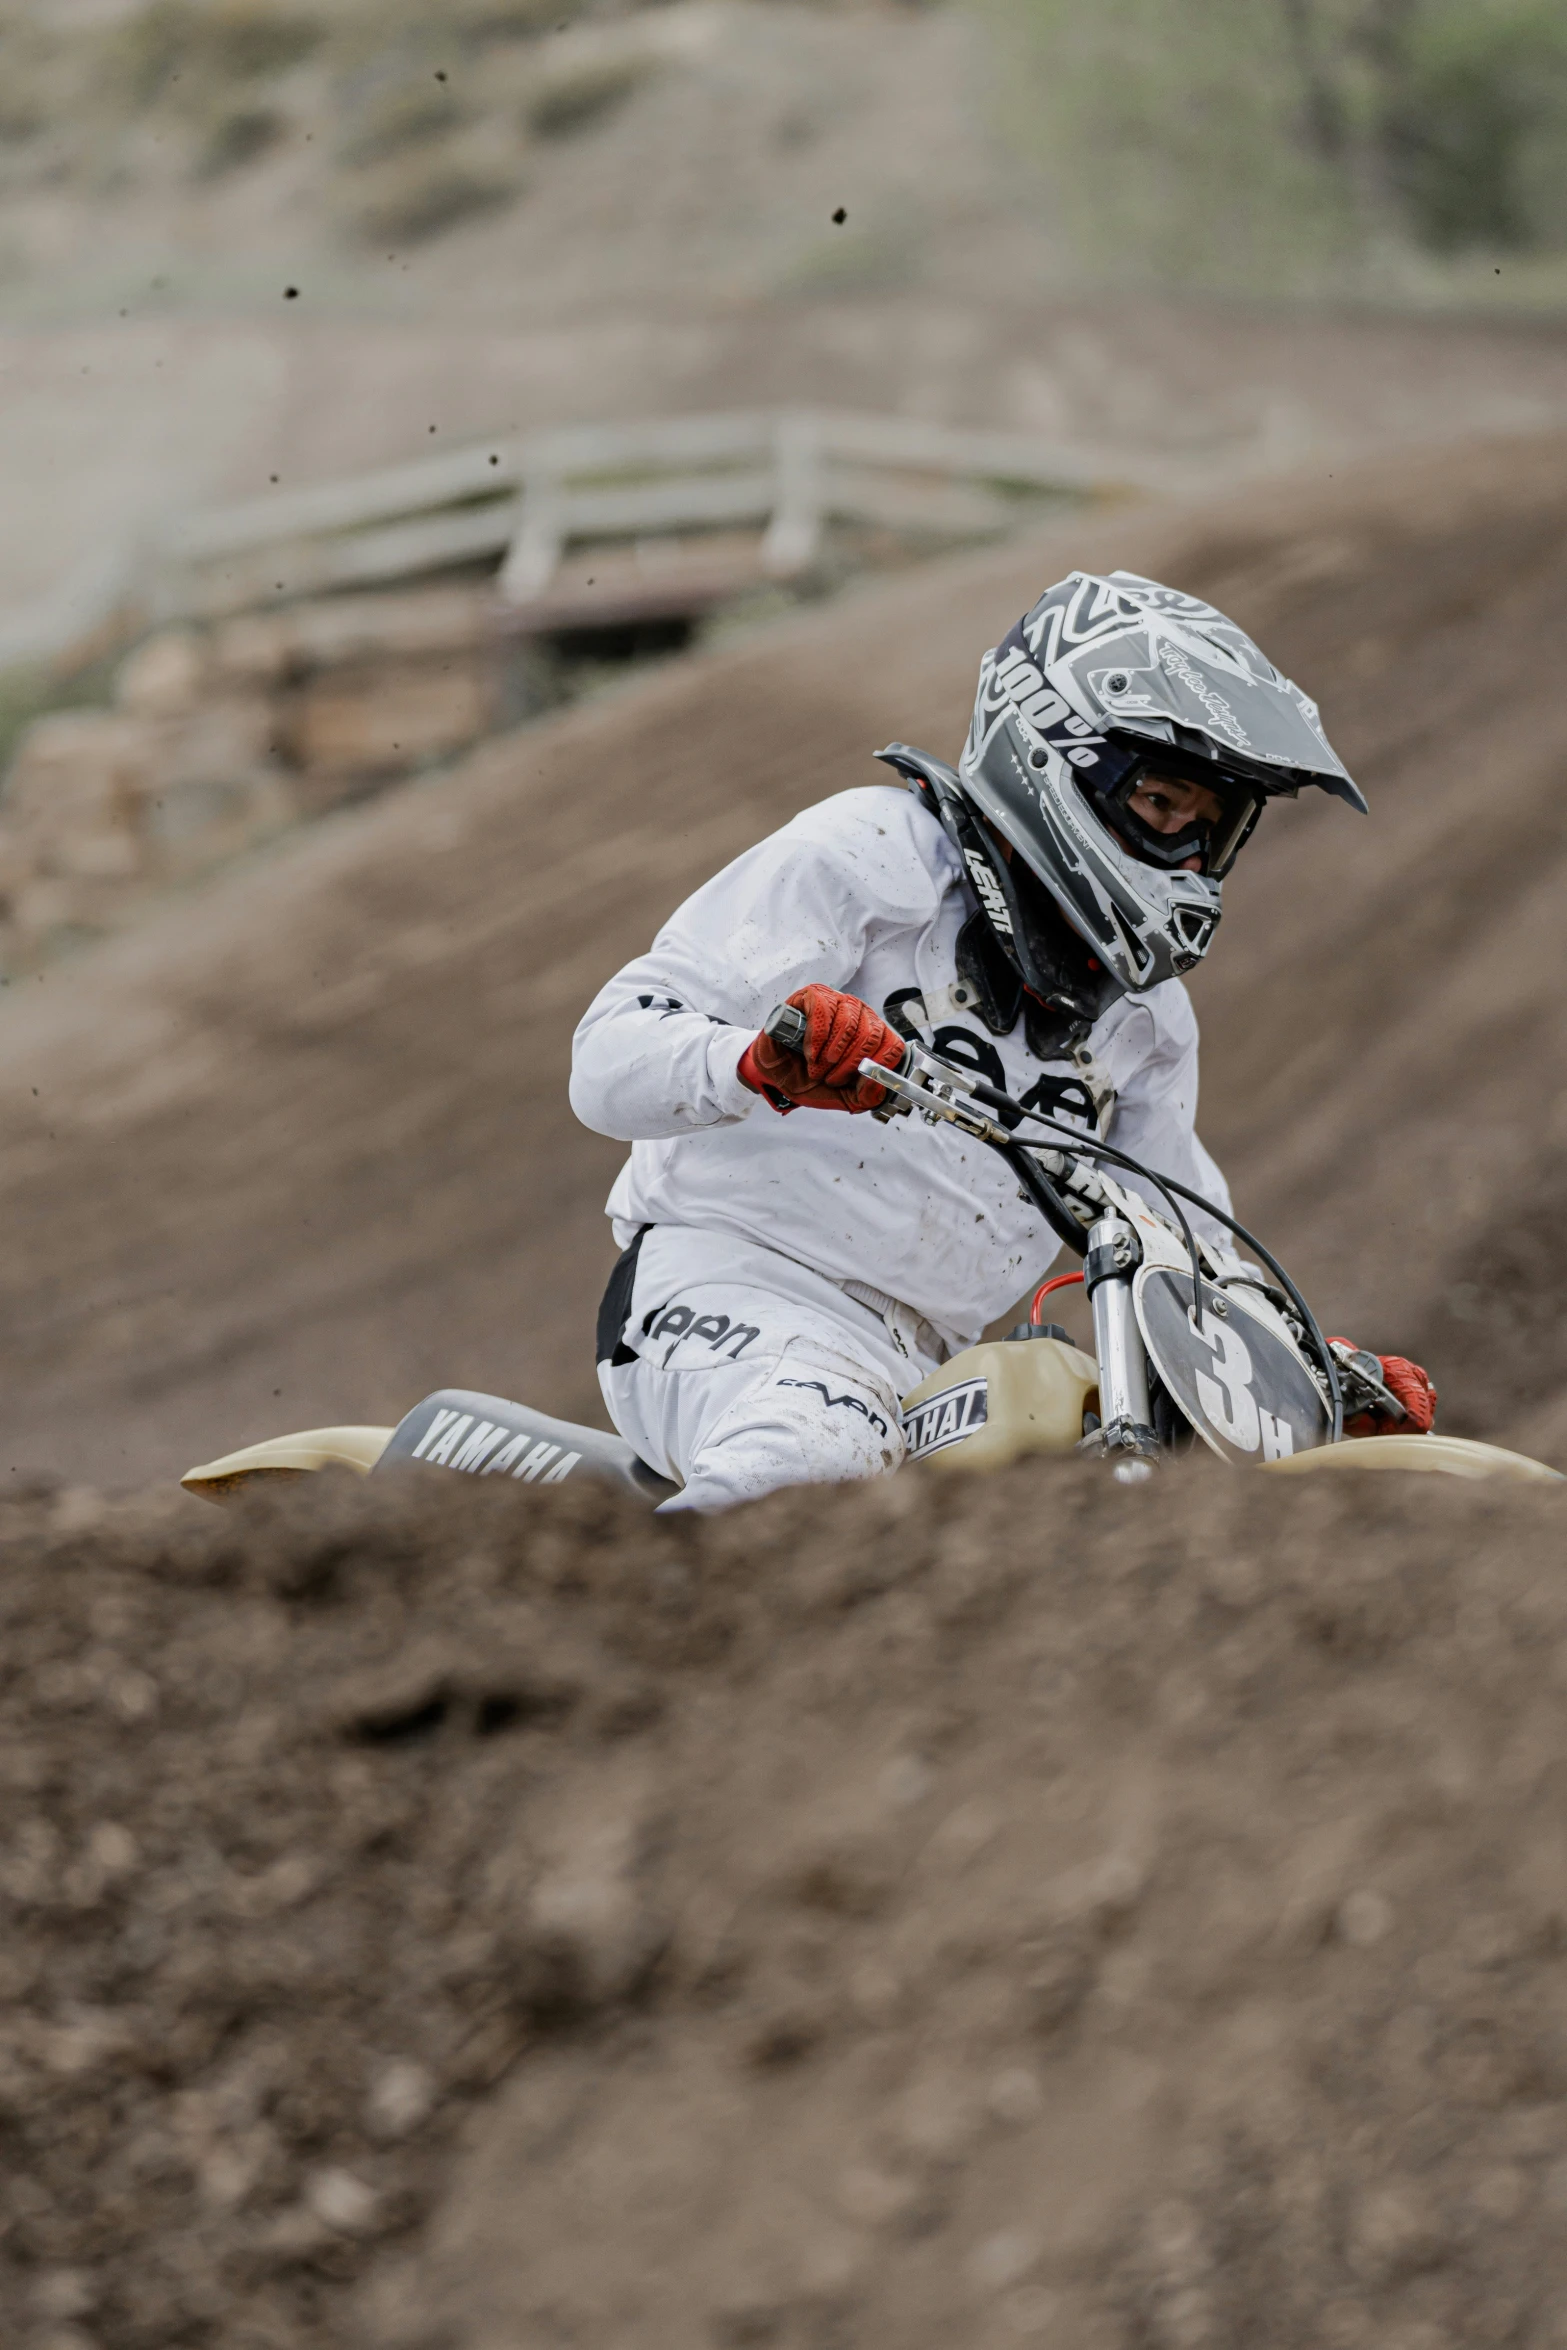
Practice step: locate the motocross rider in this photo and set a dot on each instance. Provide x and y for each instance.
(787, 1278)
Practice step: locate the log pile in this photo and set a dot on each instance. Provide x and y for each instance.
(221, 735)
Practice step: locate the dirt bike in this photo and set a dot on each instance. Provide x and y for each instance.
(1190, 1347)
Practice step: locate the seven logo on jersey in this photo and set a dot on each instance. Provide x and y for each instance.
(853, 1403)
(946, 1418)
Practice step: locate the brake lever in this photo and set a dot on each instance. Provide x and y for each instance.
(930, 1093)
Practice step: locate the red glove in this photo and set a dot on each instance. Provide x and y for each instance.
(1414, 1390)
(840, 1033)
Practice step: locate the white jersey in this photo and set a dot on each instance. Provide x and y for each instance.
(864, 893)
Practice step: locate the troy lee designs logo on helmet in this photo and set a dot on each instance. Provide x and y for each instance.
(1174, 660)
(990, 896)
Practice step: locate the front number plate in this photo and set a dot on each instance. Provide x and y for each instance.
(1240, 1383)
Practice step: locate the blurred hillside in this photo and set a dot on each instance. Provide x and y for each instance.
(256, 241)
(193, 148)
(1407, 150)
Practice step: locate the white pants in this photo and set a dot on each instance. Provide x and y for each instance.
(753, 1372)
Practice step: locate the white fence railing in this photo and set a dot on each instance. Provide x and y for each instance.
(783, 475)
(691, 506)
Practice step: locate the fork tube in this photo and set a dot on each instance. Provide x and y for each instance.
(1125, 1416)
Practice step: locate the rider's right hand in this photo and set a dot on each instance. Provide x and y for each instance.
(840, 1033)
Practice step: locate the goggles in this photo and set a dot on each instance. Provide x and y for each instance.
(1215, 840)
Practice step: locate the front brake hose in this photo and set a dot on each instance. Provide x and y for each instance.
(1045, 1197)
(1167, 1183)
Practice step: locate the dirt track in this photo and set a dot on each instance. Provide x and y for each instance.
(1024, 1912)
(303, 1153)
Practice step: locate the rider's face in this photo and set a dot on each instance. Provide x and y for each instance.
(1167, 803)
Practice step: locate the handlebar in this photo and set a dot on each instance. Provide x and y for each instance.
(786, 1025)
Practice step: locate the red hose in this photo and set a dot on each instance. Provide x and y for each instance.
(1061, 1281)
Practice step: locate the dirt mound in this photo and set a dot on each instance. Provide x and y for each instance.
(303, 1153)
(990, 1912)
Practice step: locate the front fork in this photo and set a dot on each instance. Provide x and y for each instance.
(1125, 1416)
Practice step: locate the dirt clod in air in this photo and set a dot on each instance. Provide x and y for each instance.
(998, 1911)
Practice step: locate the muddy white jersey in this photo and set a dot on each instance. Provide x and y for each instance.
(863, 892)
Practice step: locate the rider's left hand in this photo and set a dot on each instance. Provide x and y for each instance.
(1414, 1390)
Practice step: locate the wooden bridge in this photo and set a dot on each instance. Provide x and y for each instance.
(593, 525)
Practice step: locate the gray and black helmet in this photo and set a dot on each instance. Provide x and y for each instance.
(1105, 683)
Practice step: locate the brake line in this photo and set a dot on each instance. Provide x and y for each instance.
(1061, 1281)
(1325, 1353)
(1039, 1188)
(1013, 1153)
(1175, 1192)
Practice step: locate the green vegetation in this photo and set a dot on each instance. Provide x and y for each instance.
(513, 20)
(414, 197)
(29, 693)
(33, 81)
(406, 110)
(22, 117)
(408, 117)
(176, 42)
(1282, 143)
(870, 260)
(1474, 128)
(572, 101)
(238, 138)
